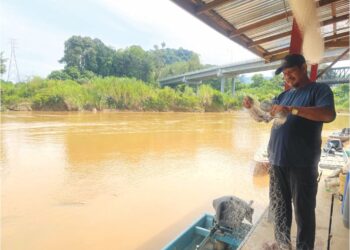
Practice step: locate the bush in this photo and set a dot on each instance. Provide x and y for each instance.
(131, 94)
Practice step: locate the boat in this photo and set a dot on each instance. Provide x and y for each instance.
(333, 145)
(210, 233)
(199, 236)
(333, 160)
(343, 135)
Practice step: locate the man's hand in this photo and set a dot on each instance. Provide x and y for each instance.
(318, 114)
(247, 102)
(280, 109)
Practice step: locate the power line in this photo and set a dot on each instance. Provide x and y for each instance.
(13, 61)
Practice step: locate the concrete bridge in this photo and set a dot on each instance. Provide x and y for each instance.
(224, 72)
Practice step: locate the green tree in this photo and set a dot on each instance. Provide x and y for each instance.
(133, 62)
(182, 67)
(73, 72)
(89, 54)
(258, 80)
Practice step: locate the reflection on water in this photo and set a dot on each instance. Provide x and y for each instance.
(122, 180)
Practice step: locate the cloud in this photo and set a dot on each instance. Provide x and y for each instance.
(41, 29)
(165, 21)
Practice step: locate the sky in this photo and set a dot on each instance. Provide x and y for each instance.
(40, 28)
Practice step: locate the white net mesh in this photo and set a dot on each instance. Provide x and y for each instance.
(261, 112)
(278, 212)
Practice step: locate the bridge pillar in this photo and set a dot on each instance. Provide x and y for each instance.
(233, 86)
(197, 87)
(222, 87)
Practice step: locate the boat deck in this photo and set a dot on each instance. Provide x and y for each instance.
(263, 231)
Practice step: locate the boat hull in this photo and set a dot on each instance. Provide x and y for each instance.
(197, 233)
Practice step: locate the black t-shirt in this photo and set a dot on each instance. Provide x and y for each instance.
(297, 142)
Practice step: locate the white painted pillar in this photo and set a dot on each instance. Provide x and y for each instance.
(233, 86)
(222, 84)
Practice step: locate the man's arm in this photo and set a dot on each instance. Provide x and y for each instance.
(319, 114)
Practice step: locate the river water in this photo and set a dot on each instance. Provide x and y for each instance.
(123, 180)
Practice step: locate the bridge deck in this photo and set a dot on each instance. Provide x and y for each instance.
(229, 70)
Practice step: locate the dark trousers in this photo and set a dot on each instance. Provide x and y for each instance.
(298, 186)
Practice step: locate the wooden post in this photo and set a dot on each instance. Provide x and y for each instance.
(313, 73)
(296, 41)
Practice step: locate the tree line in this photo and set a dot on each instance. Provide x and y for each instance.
(98, 77)
(85, 58)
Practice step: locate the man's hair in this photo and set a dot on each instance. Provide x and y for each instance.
(290, 61)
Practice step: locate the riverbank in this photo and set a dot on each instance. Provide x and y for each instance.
(129, 94)
(339, 113)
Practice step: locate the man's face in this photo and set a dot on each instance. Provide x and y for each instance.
(293, 76)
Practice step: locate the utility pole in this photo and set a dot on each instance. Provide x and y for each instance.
(13, 62)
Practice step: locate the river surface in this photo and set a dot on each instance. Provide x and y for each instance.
(123, 180)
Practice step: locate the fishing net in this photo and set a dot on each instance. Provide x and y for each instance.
(260, 112)
(231, 211)
(279, 211)
(305, 13)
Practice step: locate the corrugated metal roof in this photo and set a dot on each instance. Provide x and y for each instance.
(264, 26)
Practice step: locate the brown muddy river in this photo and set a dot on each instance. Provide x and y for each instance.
(123, 180)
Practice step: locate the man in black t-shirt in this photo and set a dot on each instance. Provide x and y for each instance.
(294, 151)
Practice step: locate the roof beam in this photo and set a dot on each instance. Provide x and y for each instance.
(337, 36)
(341, 40)
(215, 19)
(278, 57)
(269, 39)
(284, 34)
(212, 5)
(335, 20)
(343, 43)
(273, 19)
(219, 24)
(261, 23)
(325, 2)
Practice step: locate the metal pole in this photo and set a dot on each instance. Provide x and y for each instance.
(330, 224)
(329, 66)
